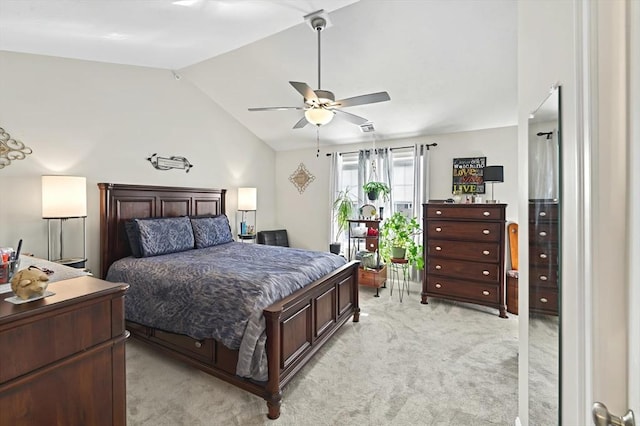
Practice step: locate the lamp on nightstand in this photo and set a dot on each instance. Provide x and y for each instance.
(493, 174)
(247, 201)
(64, 198)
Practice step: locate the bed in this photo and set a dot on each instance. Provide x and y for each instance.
(295, 326)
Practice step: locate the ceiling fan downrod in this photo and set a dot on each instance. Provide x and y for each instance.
(319, 24)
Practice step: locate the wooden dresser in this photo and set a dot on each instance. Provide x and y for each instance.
(464, 253)
(62, 358)
(543, 257)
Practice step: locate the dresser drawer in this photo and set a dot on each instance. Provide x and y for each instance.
(543, 255)
(464, 211)
(543, 212)
(50, 339)
(464, 231)
(543, 233)
(488, 272)
(543, 300)
(480, 252)
(483, 292)
(544, 276)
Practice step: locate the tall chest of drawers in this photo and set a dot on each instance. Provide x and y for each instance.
(464, 253)
(543, 257)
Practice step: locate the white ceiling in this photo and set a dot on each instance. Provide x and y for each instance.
(448, 65)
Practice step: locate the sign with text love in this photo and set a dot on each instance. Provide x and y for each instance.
(468, 175)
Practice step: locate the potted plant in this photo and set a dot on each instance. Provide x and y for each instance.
(397, 239)
(343, 208)
(374, 189)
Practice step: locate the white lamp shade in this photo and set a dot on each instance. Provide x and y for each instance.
(64, 196)
(318, 116)
(247, 199)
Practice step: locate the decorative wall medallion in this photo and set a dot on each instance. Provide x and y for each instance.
(166, 163)
(11, 149)
(301, 178)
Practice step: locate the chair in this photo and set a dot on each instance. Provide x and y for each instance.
(512, 274)
(276, 237)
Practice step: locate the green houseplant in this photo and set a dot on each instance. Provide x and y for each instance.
(375, 189)
(398, 232)
(343, 208)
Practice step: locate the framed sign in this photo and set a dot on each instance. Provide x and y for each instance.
(468, 175)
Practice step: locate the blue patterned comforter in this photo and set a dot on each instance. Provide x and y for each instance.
(219, 292)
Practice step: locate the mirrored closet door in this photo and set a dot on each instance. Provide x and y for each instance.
(544, 260)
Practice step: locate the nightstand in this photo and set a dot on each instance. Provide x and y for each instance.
(251, 238)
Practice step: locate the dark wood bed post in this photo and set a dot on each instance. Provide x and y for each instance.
(274, 393)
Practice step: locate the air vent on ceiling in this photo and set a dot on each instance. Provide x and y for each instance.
(367, 128)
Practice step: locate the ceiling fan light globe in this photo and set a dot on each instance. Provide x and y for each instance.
(318, 116)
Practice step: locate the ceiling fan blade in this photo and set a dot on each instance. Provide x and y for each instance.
(356, 119)
(274, 108)
(301, 123)
(304, 90)
(371, 98)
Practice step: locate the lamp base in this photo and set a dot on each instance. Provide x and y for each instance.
(491, 201)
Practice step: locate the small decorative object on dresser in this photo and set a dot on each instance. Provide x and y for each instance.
(29, 282)
(543, 257)
(464, 253)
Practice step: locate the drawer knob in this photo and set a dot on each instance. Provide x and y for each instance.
(543, 277)
(486, 293)
(438, 267)
(485, 273)
(543, 300)
(486, 231)
(543, 214)
(198, 344)
(487, 213)
(438, 285)
(438, 248)
(438, 212)
(438, 229)
(543, 256)
(542, 234)
(485, 252)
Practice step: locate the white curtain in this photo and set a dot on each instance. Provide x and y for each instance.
(421, 155)
(543, 166)
(421, 182)
(335, 185)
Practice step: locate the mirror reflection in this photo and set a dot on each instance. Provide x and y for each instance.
(544, 261)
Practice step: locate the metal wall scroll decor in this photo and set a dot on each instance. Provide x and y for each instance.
(11, 149)
(301, 178)
(166, 163)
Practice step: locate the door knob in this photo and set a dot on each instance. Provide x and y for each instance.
(602, 417)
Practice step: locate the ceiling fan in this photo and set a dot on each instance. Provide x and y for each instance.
(320, 105)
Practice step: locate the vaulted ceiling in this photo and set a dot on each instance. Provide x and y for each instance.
(448, 65)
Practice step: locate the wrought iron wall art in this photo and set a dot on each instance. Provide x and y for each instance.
(301, 178)
(166, 163)
(11, 149)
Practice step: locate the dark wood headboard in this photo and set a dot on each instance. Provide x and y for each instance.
(119, 203)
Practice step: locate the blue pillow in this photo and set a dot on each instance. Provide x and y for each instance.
(164, 235)
(211, 231)
(131, 228)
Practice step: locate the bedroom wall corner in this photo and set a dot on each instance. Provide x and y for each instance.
(102, 121)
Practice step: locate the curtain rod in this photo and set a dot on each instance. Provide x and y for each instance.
(392, 148)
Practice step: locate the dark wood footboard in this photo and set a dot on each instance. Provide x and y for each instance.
(296, 328)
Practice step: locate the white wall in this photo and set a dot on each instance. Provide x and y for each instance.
(306, 216)
(102, 121)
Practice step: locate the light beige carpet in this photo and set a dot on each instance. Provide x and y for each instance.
(404, 363)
